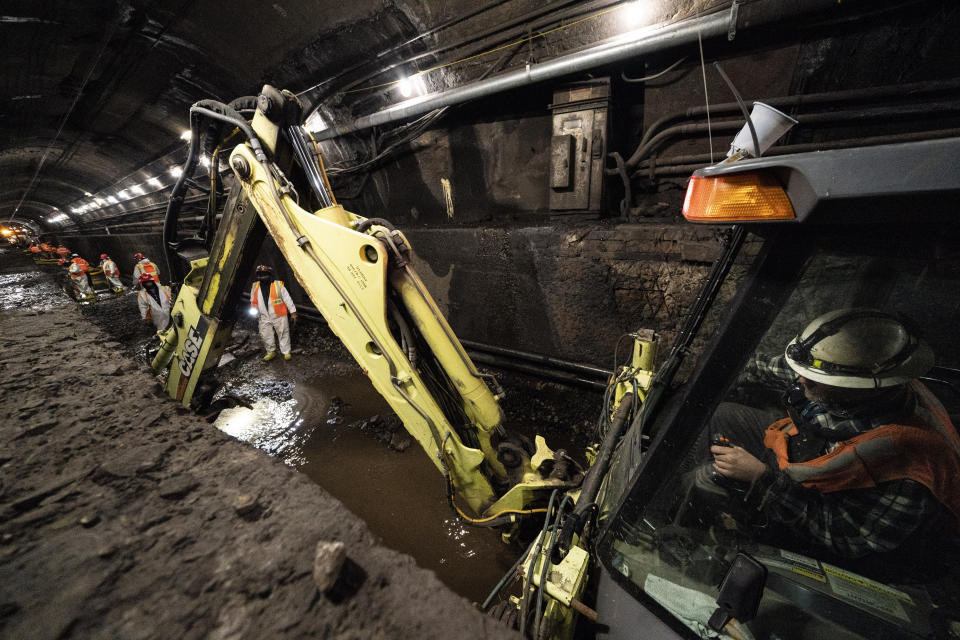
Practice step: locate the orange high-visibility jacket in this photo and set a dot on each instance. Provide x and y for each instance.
(83, 265)
(35, 249)
(925, 449)
(279, 307)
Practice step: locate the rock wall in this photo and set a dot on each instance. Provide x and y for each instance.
(565, 289)
(569, 290)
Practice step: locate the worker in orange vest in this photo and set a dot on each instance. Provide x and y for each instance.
(35, 249)
(144, 267)
(154, 301)
(868, 459)
(111, 273)
(272, 304)
(78, 271)
(63, 252)
(48, 249)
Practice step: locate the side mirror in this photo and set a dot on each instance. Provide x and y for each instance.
(740, 592)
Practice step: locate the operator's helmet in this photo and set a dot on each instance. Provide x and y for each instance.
(859, 349)
(264, 270)
(138, 256)
(104, 256)
(74, 255)
(144, 278)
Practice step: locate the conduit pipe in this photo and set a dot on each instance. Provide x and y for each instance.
(899, 92)
(686, 164)
(638, 43)
(830, 117)
(539, 358)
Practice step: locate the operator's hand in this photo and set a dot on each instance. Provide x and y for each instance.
(293, 317)
(737, 463)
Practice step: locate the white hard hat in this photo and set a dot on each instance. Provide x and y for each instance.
(859, 349)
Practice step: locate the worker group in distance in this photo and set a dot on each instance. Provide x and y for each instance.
(270, 301)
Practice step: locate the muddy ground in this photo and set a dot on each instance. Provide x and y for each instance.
(122, 516)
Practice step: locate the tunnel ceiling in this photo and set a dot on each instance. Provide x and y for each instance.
(94, 94)
(95, 90)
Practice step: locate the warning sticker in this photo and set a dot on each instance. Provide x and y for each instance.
(800, 559)
(800, 568)
(867, 592)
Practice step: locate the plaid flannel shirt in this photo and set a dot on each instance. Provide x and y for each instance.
(850, 523)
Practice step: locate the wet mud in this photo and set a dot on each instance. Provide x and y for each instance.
(318, 414)
(122, 516)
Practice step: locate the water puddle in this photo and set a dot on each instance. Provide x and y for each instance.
(325, 430)
(30, 290)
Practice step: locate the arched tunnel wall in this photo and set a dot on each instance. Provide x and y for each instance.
(568, 290)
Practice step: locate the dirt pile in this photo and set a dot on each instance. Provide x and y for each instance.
(124, 516)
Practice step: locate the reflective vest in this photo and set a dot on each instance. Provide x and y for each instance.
(149, 269)
(925, 449)
(63, 251)
(109, 267)
(83, 264)
(279, 306)
(35, 249)
(46, 247)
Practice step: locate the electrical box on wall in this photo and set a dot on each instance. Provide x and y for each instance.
(578, 146)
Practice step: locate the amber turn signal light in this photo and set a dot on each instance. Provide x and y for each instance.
(744, 197)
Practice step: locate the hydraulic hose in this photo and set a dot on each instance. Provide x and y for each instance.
(577, 520)
(216, 111)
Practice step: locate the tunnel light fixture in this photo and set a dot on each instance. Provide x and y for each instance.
(186, 135)
(57, 218)
(176, 172)
(87, 193)
(101, 202)
(411, 86)
(112, 199)
(154, 182)
(638, 13)
(315, 123)
(205, 161)
(123, 193)
(136, 190)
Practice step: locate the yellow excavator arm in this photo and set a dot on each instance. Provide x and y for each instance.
(358, 274)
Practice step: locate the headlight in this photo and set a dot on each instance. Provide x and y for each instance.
(253, 311)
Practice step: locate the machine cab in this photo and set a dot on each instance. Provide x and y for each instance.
(870, 228)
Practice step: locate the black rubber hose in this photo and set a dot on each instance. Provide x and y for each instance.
(577, 520)
(743, 109)
(369, 222)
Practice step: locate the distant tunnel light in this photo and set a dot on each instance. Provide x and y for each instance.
(112, 199)
(205, 161)
(101, 202)
(176, 172)
(744, 197)
(186, 135)
(154, 182)
(123, 193)
(57, 218)
(136, 190)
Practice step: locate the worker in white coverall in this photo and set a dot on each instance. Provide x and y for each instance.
(154, 301)
(272, 304)
(78, 272)
(144, 267)
(111, 273)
